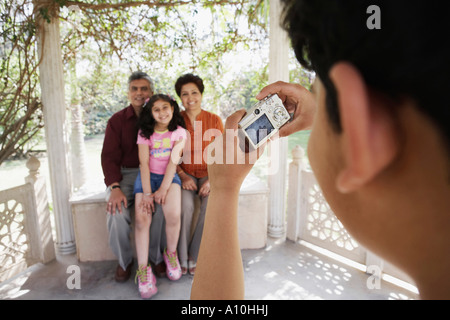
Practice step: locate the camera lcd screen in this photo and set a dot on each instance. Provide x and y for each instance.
(259, 129)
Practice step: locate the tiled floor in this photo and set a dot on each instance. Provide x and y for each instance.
(281, 270)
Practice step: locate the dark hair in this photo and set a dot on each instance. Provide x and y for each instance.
(137, 75)
(146, 122)
(189, 78)
(407, 57)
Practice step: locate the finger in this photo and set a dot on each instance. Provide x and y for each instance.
(118, 205)
(205, 190)
(271, 89)
(288, 129)
(233, 120)
(292, 95)
(191, 187)
(144, 206)
(108, 208)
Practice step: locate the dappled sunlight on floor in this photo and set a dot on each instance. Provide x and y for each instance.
(287, 270)
(283, 270)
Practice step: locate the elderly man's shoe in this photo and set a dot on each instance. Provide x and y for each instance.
(123, 275)
(160, 270)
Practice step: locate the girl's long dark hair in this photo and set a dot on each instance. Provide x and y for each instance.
(146, 122)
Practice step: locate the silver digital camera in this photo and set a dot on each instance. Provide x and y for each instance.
(262, 121)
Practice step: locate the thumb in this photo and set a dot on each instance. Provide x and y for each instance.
(288, 129)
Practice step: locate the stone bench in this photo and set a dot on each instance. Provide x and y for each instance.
(91, 234)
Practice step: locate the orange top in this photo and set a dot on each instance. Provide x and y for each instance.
(206, 127)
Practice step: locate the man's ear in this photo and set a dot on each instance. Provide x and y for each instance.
(369, 137)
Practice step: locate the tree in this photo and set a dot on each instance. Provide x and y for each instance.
(20, 106)
(164, 38)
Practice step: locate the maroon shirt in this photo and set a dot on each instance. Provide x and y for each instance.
(119, 147)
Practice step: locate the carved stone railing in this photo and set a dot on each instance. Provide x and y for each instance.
(25, 227)
(310, 218)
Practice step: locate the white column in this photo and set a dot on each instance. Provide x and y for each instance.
(294, 194)
(278, 70)
(78, 149)
(54, 107)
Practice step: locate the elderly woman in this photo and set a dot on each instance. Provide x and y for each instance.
(193, 170)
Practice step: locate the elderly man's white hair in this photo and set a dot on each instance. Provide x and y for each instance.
(137, 75)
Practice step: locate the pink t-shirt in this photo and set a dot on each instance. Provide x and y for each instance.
(161, 145)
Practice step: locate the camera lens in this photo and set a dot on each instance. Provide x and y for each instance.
(257, 111)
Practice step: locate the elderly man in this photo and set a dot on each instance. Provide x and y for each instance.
(120, 163)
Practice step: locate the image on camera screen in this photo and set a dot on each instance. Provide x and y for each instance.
(259, 129)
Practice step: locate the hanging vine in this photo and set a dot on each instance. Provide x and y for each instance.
(149, 34)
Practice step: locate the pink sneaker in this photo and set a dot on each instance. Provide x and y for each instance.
(173, 269)
(147, 282)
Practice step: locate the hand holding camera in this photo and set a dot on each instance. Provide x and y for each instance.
(263, 121)
(298, 101)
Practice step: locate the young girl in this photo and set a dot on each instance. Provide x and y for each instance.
(161, 139)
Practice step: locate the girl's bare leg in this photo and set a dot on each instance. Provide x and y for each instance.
(172, 213)
(142, 227)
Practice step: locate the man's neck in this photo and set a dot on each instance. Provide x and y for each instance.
(137, 110)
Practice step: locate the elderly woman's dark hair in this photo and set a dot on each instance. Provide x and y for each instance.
(189, 78)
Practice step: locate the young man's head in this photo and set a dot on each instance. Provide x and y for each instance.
(380, 142)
